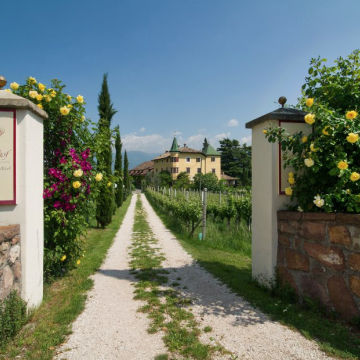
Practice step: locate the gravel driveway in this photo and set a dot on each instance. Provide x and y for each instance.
(111, 328)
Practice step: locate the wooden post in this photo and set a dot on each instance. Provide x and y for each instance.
(204, 214)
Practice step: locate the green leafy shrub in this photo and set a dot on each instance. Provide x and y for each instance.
(12, 316)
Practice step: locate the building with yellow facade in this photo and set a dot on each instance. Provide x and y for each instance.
(184, 159)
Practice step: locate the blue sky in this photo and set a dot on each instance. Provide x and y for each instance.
(197, 68)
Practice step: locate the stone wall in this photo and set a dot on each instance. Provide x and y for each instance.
(319, 256)
(10, 265)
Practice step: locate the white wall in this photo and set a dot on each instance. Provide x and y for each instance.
(28, 212)
(266, 201)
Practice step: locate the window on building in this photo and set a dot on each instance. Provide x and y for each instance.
(198, 159)
(199, 170)
(174, 159)
(175, 170)
(213, 159)
(156, 170)
(188, 170)
(213, 171)
(188, 159)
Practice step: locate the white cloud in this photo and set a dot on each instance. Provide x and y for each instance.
(222, 136)
(142, 130)
(195, 142)
(153, 143)
(246, 140)
(232, 123)
(177, 133)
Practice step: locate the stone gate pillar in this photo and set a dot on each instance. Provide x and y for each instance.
(268, 183)
(21, 197)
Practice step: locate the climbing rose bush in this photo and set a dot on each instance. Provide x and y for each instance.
(69, 176)
(326, 163)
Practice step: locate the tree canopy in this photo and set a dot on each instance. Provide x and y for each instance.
(236, 160)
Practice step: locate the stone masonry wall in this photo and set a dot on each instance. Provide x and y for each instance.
(319, 256)
(10, 265)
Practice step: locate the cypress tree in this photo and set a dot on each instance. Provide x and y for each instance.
(126, 175)
(118, 169)
(104, 205)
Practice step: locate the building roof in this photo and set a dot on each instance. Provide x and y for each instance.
(174, 146)
(227, 177)
(279, 114)
(209, 150)
(142, 169)
(186, 149)
(165, 155)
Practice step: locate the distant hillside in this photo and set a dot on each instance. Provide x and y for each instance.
(137, 157)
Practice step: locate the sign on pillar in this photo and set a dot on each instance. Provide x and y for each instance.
(8, 157)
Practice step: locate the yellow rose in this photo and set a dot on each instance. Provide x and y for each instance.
(33, 94)
(9, 91)
(310, 119)
(291, 181)
(352, 138)
(319, 202)
(40, 106)
(69, 97)
(348, 191)
(350, 115)
(304, 139)
(324, 130)
(39, 97)
(14, 86)
(80, 99)
(309, 102)
(291, 175)
(288, 191)
(64, 110)
(109, 184)
(47, 98)
(78, 262)
(42, 87)
(78, 173)
(69, 106)
(98, 177)
(63, 258)
(354, 176)
(31, 80)
(342, 165)
(312, 148)
(53, 93)
(76, 184)
(309, 162)
(83, 118)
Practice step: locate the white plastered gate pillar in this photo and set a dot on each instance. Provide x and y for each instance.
(27, 209)
(268, 182)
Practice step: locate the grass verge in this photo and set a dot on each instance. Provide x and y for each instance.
(167, 310)
(64, 300)
(234, 269)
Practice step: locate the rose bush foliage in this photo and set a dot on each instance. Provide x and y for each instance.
(70, 181)
(326, 163)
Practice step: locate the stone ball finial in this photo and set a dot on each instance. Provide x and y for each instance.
(3, 82)
(282, 100)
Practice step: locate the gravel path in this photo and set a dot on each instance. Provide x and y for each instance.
(110, 327)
